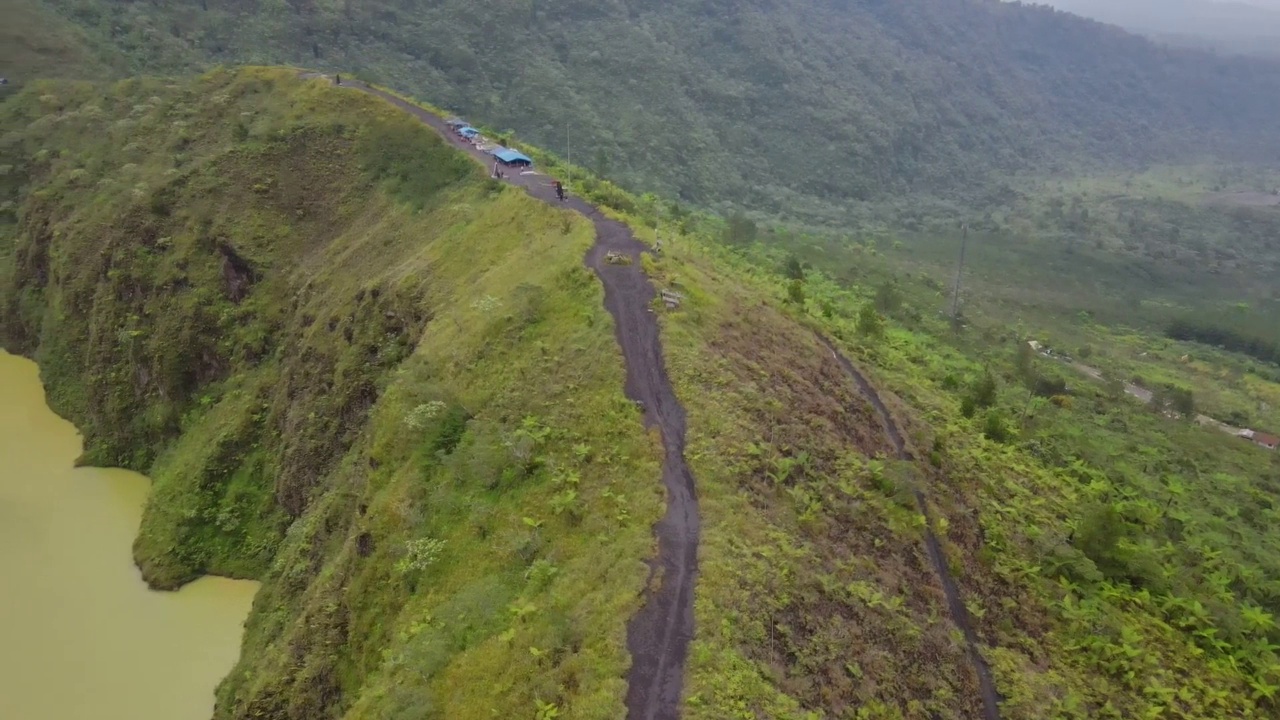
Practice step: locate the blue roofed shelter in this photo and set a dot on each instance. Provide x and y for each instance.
(512, 157)
(468, 132)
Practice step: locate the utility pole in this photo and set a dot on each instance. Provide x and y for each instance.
(955, 299)
(568, 153)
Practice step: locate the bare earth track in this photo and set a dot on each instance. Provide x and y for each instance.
(955, 604)
(659, 634)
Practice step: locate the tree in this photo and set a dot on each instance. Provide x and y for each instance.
(1024, 363)
(1183, 402)
(792, 268)
(1045, 386)
(888, 297)
(1170, 398)
(1113, 386)
(995, 428)
(982, 391)
(740, 230)
(795, 292)
(870, 322)
(1098, 536)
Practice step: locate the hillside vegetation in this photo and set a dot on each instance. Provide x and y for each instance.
(794, 108)
(358, 370)
(35, 42)
(354, 368)
(387, 387)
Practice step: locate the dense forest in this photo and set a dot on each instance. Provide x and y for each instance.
(1228, 333)
(794, 107)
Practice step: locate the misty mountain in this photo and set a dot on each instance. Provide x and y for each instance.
(793, 107)
(1236, 27)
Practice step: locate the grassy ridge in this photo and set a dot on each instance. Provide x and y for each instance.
(355, 369)
(1019, 488)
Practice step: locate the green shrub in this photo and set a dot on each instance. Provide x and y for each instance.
(996, 429)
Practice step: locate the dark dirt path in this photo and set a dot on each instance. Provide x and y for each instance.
(955, 604)
(659, 634)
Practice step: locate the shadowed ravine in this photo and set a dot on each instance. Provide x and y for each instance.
(955, 604)
(659, 634)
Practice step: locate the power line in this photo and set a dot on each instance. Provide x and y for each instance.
(955, 299)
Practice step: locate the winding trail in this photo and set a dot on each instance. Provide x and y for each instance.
(658, 635)
(955, 603)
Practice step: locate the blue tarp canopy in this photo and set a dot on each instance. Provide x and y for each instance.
(511, 157)
(468, 131)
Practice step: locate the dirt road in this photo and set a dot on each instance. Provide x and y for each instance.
(659, 634)
(955, 603)
(1147, 397)
(1142, 394)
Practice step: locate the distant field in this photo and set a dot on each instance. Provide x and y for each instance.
(1243, 199)
(35, 41)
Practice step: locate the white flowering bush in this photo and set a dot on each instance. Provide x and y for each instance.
(486, 304)
(422, 415)
(420, 554)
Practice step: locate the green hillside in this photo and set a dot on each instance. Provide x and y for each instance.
(388, 387)
(795, 108)
(329, 340)
(36, 42)
(358, 370)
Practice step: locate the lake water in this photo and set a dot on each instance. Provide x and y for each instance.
(81, 636)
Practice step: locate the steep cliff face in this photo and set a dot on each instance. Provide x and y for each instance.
(354, 368)
(177, 271)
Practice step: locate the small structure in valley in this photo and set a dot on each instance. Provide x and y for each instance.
(1262, 439)
(507, 156)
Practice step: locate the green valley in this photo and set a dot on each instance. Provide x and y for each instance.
(801, 108)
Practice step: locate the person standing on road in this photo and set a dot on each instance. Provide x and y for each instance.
(337, 79)
(560, 191)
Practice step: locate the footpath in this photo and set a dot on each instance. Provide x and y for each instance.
(658, 635)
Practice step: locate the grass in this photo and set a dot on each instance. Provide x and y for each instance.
(1145, 622)
(388, 388)
(332, 342)
(36, 42)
